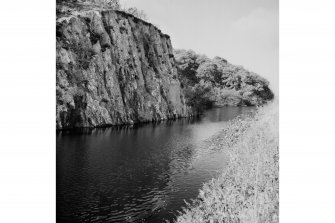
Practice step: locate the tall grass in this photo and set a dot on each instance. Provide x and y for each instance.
(248, 190)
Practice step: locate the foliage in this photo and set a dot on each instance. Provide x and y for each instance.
(199, 97)
(198, 94)
(248, 190)
(210, 72)
(114, 4)
(187, 64)
(219, 74)
(104, 4)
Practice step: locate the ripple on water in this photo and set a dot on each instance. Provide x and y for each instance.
(142, 174)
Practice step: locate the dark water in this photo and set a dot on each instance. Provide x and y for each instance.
(137, 174)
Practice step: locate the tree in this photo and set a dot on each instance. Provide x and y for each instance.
(210, 72)
(187, 63)
(199, 97)
(205, 79)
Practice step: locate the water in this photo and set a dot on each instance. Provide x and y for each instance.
(137, 174)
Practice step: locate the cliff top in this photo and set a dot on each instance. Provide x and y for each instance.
(67, 10)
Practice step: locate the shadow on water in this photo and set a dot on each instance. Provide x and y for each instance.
(140, 173)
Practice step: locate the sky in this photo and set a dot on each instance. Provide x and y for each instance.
(245, 32)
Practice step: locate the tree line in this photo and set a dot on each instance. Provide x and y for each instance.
(207, 81)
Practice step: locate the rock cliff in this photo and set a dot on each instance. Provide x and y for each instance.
(113, 68)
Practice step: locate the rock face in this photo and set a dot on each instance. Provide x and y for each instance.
(112, 69)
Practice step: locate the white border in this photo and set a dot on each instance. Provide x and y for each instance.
(307, 84)
(27, 119)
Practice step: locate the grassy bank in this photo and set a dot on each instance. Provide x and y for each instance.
(248, 190)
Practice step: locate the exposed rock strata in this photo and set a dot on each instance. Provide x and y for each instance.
(113, 69)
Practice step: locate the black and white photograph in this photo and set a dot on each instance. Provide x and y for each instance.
(167, 111)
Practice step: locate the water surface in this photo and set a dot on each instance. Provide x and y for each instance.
(137, 174)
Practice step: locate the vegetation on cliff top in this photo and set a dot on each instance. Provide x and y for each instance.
(66, 6)
(248, 190)
(217, 81)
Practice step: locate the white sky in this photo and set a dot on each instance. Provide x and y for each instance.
(245, 32)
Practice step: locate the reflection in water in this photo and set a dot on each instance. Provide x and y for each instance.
(144, 172)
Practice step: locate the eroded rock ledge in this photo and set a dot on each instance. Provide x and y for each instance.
(113, 69)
